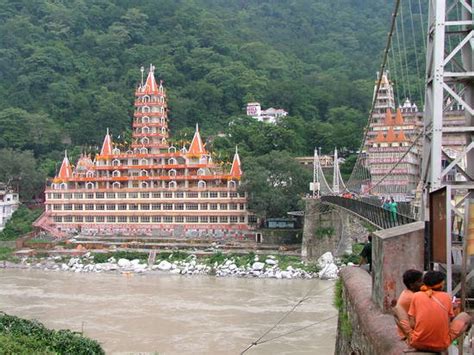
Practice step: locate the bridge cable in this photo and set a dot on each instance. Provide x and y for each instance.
(382, 68)
(415, 47)
(297, 330)
(402, 67)
(422, 27)
(305, 297)
(402, 25)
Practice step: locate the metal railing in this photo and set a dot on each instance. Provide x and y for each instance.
(376, 215)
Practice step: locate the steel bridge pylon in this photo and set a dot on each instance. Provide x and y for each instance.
(449, 78)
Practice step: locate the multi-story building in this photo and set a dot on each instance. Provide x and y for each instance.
(150, 188)
(9, 202)
(392, 137)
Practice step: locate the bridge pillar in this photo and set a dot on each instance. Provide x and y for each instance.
(327, 228)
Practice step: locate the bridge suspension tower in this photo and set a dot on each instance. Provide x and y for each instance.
(448, 178)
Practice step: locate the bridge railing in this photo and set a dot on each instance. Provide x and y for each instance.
(378, 216)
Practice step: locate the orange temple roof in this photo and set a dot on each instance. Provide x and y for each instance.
(65, 172)
(236, 171)
(107, 145)
(196, 148)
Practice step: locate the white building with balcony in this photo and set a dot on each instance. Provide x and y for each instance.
(270, 115)
(9, 202)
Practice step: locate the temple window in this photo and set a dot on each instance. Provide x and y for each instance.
(201, 172)
(172, 161)
(231, 184)
(116, 162)
(172, 185)
(116, 173)
(201, 184)
(90, 185)
(116, 151)
(172, 172)
(116, 185)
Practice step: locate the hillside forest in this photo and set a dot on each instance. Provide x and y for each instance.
(68, 70)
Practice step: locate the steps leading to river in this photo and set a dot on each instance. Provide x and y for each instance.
(201, 246)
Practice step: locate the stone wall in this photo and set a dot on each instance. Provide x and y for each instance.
(280, 236)
(394, 251)
(362, 328)
(328, 228)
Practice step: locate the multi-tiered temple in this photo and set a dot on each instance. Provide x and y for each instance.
(151, 188)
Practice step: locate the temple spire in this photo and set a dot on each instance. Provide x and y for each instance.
(236, 170)
(196, 148)
(107, 145)
(150, 86)
(65, 172)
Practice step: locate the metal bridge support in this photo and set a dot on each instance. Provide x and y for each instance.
(449, 79)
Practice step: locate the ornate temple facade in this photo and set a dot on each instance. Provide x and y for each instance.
(150, 188)
(390, 140)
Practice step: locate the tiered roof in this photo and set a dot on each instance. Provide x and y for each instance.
(150, 133)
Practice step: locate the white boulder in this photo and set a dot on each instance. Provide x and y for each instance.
(166, 266)
(123, 263)
(325, 259)
(271, 261)
(330, 271)
(257, 266)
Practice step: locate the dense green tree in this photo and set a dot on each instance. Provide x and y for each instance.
(19, 168)
(275, 183)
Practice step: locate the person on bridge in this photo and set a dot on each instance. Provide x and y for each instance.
(413, 279)
(393, 207)
(366, 254)
(430, 315)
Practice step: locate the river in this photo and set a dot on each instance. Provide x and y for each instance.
(171, 314)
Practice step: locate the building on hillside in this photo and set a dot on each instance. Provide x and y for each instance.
(9, 202)
(149, 188)
(270, 115)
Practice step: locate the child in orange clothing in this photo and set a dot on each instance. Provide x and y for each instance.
(430, 315)
(413, 279)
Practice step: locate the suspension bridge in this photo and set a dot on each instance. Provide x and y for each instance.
(420, 154)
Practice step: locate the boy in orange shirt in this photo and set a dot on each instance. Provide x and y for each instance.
(413, 279)
(430, 314)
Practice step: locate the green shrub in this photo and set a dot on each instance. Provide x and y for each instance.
(20, 223)
(21, 336)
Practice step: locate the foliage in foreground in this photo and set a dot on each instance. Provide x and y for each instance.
(20, 223)
(21, 336)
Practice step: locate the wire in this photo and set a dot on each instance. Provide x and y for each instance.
(416, 55)
(305, 297)
(297, 330)
(422, 27)
(382, 68)
(402, 20)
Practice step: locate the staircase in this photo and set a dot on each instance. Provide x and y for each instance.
(45, 224)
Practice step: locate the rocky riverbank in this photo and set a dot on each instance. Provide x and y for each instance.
(258, 266)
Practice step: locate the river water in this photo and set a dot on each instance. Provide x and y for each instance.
(171, 314)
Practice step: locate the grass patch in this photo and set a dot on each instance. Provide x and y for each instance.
(344, 321)
(21, 336)
(354, 257)
(6, 254)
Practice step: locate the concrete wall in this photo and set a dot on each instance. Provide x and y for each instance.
(394, 251)
(362, 328)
